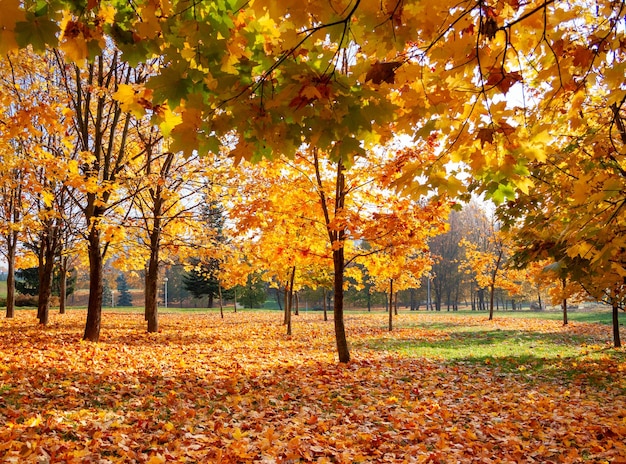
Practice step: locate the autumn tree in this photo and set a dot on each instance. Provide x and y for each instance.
(488, 264)
(103, 143)
(312, 218)
(163, 191)
(488, 80)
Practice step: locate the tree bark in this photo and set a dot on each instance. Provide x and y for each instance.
(390, 305)
(46, 271)
(94, 305)
(617, 343)
(564, 303)
(336, 239)
(492, 286)
(152, 292)
(289, 302)
(340, 329)
(325, 304)
(63, 284)
(11, 251)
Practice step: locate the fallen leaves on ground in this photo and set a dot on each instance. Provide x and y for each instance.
(239, 390)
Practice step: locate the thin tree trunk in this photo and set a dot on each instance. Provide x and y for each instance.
(94, 305)
(63, 284)
(286, 309)
(336, 239)
(289, 302)
(235, 292)
(325, 304)
(151, 294)
(564, 303)
(390, 305)
(340, 329)
(11, 251)
(617, 343)
(45, 279)
(492, 287)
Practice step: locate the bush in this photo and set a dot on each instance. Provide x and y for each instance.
(26, 300)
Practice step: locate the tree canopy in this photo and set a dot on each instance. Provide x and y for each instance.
(521, 101)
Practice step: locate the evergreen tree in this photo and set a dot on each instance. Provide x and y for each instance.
(125, 298)
(202, 280)
(27, 282)
(254, 294)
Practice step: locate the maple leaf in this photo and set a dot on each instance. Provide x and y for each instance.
(485, 135)
(503, 80)
(381, 72)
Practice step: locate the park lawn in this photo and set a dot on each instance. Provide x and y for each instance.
(440, 388)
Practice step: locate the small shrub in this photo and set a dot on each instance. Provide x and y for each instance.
(26, 300)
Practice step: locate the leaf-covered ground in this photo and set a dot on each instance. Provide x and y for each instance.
(239, 390)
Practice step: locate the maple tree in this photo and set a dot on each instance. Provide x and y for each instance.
(34, 128)
(487, 81)
(162, 217)
(487, 263)
(309, 217)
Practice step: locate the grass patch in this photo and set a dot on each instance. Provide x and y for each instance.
(533, 346)
(509, 350)
(596, 316)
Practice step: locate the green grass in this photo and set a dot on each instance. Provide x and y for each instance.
(512, 350)
(597, 316)
(557, 354)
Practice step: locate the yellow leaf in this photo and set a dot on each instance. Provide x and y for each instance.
(157, 459)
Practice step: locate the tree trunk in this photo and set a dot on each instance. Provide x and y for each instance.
(289, 303)
(296, 303)
(617, 343)
(46, 271)
(94, 305)
(492, 287)
(11, 251)
(390, 305)
(63, 284)
(325, 304)
(151, 293)
(286, 309)
(564, 302)
(336, 239)
(340, 329)
(235, 292)
(491, 294)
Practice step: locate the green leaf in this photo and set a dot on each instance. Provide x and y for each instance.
(38, 32)
(172, 85)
